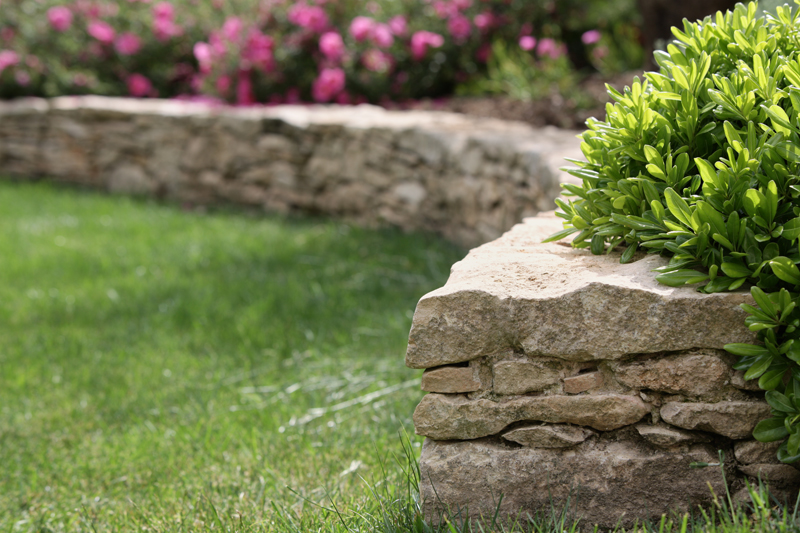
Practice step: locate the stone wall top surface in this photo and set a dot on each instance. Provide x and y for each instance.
(552, 300)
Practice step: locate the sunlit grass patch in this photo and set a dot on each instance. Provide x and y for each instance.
(169, 369)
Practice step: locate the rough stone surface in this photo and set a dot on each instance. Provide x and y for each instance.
(751, 451)
(548, 436)
(692, 374)
(614, 481)
(734, 420)
(583, 382)
(469, 179)
(778, 475)
(455, 417)
(520, 377)
(554, 301)
(667, 437)
(450, 379)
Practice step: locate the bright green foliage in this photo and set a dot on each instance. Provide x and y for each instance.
(701, 161)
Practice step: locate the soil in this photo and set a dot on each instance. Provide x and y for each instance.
(551, 111)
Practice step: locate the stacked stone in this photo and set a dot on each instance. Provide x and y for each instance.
(469, 179)
(556, 375)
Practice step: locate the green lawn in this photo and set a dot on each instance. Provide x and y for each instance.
(171, 370)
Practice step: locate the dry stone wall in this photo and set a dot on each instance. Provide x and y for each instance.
(466, 178)
(553, 373)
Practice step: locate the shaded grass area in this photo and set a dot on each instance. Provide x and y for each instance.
(176, 371)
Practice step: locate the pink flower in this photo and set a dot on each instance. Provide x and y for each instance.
(202, 52)
(444, 9)
(328, 84)
(460, 28)
(331, 45)
(164, 29)
(138, 85)
(548, 47)
(22, 78)
(376, 60)
(462, 4)
(361, 28)
(127, 44)
(398, 25)
(164, 10)
(60, 18)
(223, 84)
(258, 51)
(101, 31)
(484, 21)
(311, 18)
(527, 43)
(590, 37)
(244, 89)
(8, 58)
(232, 28)
(421, 40)
(382, 35)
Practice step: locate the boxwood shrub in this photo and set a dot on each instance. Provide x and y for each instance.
(701, 161)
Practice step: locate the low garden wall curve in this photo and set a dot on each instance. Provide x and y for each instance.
(553, 373)
(466, 178)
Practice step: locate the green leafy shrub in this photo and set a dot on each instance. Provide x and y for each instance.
(701, 161)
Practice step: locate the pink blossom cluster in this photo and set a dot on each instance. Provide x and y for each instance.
(286, 52)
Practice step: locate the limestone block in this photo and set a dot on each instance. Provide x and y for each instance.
(551, 300)
(738, 381)
(450, 379)
(583, 382)
(613, 480)
(751, 451)
(454, 417)
(548, 436)
(520, 377)
(778, 475)
(667, 437)
(693, 374)
(130, 179)
(734, 420)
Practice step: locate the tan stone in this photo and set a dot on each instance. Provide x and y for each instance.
(694, 374)
(455, 417)
(738, 381)
(450, 379)
(553, 301)
(520, 377)
(751, 451)
(583, 382)
(779, 475)
(614, 481)
(548, 436)
(667, 437)
(734, 420)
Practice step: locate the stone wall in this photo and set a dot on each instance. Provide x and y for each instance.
(469, 179)
(553, 373)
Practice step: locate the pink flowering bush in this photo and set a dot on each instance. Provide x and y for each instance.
(272, 51)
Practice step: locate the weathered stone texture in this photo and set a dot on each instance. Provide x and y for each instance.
(778, 475)
(450, 379)
(667, 437)
(444, 417)
(548, 436)
(554, 301)
(469, 179)
(751, 451)
(583, 382)
(520, 377)
(734, 420)
(615, 482)
(693, 374)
